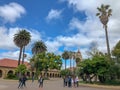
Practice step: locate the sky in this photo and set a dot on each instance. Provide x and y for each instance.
(60, 24)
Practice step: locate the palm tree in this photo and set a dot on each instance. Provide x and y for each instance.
(65, 56)
(21, 39)
(70, 57)
(104, 14)
(39, 47)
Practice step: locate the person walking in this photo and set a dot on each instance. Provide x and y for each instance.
(20, 82)
(66, 80)
(77, 81)
(40, 80)
(33, 76)
(69, 81)
(64, 84)
(73, 81)
(24, 81)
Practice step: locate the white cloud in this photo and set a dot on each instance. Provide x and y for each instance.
(7, 35)
(92, 28)
(76, 40)
(53, 46)
(10, 54)
(7, 44)
(12, 11)
(88, 31)
(14, 55)
(6, 38)
(54, 14)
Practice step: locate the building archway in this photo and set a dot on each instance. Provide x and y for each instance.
(28, 74)
(47, 74)
(53, 75)
(50, 75)
(10, 72)
(1, 73)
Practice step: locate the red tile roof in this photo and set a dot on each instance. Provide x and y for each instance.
(10, 63)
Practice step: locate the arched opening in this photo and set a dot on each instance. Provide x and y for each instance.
(44, 74)
(47, 74)
(53, 75)
(10, 72)
(50, 75)
(33, 74)
(28, 74)
(1, 73)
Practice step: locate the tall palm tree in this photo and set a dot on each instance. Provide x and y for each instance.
(104, 14)
(70, 57)
(39, 47)
(21, 39)
(65, 56)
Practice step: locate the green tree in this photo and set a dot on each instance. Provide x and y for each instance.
(21, 69)
(65, 72)
(116, 52)
(70, 57)
(96, 66)
(54, 61)
(21, 39)
(65, 56)
(45, 61)
(104, 14)
(39, 47)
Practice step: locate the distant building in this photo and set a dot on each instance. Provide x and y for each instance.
(78, 57)
(8, 66)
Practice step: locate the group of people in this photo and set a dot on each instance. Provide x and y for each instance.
(71, 81)
(23, 79)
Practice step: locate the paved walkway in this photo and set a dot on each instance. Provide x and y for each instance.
(53, 84)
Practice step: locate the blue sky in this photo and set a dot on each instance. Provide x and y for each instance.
(61, 24)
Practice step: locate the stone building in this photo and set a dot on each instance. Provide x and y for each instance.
(8, 66)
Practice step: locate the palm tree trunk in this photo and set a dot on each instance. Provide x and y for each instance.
(70, 63)
(20, 56)
(65, 64)
(23, 55)
(107, 42)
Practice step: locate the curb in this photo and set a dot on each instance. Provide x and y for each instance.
(101, 86)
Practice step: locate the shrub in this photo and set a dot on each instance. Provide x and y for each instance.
(11, 76)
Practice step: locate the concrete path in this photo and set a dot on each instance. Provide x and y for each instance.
(53, 84)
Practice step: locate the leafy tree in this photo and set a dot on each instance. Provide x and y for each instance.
(21, 39)
(96, 66)
(65, 72)
(116, 52)
(45, 61)
(21, 68)
(65, 56)
(38, 47)
(104, 14)
(114, 72)
(54, 61)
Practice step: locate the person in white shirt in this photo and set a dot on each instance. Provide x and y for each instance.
(77, 81)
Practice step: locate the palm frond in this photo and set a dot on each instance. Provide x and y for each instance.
(107, 6)
(102, 6)
(97, 14)
(109, 12)
(99, 9)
